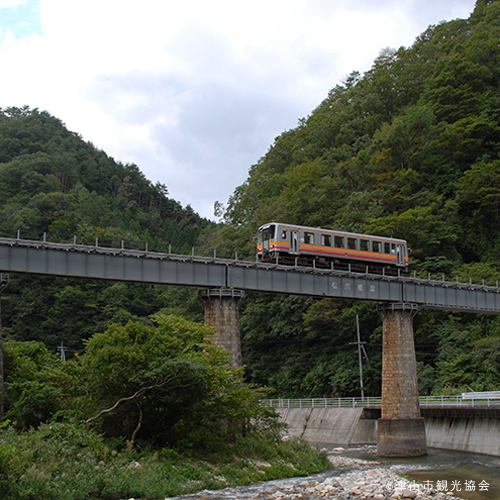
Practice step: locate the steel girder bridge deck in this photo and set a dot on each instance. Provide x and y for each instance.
(120, 264)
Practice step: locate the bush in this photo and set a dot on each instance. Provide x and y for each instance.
(36, 403)
(32, 391)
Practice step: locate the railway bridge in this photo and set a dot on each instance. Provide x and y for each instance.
(400, 430)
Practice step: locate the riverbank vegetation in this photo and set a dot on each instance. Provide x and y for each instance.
(150, 410)
(65, 461)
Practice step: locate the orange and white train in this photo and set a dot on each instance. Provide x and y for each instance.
(290, 244)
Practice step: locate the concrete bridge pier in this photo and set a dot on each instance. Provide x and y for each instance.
(400, 430)
(222, 312)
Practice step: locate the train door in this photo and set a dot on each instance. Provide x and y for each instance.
(265, 243)
(294, 241)
(400, 254)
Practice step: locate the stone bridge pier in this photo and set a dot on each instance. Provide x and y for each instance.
(400, 430)
(222, 312)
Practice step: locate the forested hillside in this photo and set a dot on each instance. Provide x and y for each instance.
(409, 149)
(53, 182)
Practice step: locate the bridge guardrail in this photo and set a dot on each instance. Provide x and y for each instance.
(425, 401)
(481, 395)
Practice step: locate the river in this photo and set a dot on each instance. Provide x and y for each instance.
(464, 470)
(459, 472)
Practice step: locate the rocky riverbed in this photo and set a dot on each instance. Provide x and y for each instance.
(356, 479)
(351, 479)
(366, 480)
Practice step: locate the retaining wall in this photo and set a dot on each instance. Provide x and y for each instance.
(326, 425)
(474, 430)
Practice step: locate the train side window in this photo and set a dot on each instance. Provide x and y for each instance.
(309, 238)
(326, 240)
(283, 235)
(387, 248)
(339, 241)
(364, 245)
(351, 243)
(377, 246)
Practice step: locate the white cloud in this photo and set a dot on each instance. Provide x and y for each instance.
(194, 92)
(11, 3)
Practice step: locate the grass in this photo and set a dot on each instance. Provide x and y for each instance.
(64, 461)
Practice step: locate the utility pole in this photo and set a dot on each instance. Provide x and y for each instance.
(4, 281)
(62, 349)
(360, 356)
(360, 359)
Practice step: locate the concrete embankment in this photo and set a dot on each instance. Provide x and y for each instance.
(463, 429)
(330, 425)
(475, 430)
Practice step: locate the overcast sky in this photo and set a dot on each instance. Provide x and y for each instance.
(194, 92)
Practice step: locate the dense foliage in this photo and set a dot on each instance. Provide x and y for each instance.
(409, 149)
(160, 382)
(53, 182)
(63, 461)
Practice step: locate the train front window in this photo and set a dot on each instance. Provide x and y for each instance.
(268, 233)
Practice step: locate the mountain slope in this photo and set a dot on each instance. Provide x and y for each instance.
(409, 149)
(52, 181)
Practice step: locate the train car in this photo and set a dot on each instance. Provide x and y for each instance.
(290, 244)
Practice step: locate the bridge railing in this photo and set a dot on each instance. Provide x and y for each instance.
(425, 401)
(322, 402)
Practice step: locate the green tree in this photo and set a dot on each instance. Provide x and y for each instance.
(162, 382)
(32, 394)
